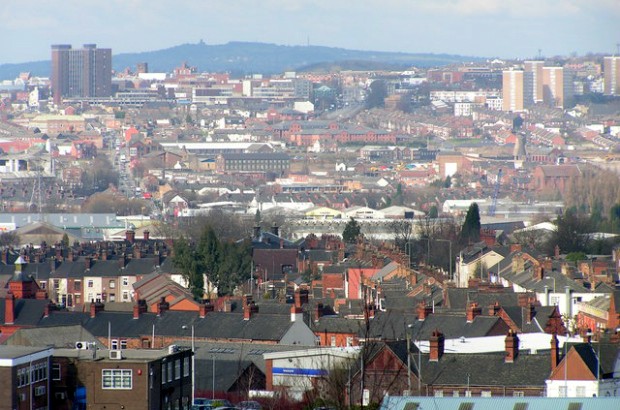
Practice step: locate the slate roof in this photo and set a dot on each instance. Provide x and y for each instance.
(487, 369)
(28, 312)
(457, 299)
(58, 337)
(393, 325)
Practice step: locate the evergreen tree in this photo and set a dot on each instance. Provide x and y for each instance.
(470, 232)
(184, 259)
(377, 94)
(351, 232)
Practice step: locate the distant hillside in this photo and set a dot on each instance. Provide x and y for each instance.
(243, 58)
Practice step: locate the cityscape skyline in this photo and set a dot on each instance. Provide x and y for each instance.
(462, 27)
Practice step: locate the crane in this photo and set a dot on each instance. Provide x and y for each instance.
(495, 193)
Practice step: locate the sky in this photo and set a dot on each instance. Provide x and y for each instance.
(482, 28)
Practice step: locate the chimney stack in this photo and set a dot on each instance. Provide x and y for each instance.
(162, 306)
(9, 309)
(555, 352)
(437, 343)
(530, 312)
(139, 308)
(88, 262)
(473, 310)
(130, 235)
(147, 235)
(204, 309)
(137, 253)
(424, 310)
(512, 346)
(249, 309)
(296, 314)
(96, 306)
(318, 312)
(494, 309)
(275, 230)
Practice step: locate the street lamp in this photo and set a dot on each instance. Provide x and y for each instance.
(193, 362)
(549, 277)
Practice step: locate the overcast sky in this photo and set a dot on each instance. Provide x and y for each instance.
(485, 28)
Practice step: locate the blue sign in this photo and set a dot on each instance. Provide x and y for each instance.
(291, 371)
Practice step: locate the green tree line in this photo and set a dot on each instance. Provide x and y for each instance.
(226, 264)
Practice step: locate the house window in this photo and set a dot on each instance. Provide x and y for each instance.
(562, 391)
(333, 341)
(185, 366)
(467, 393)
(114, 344)
(56, 284)
(349, 341)
(77, 286)
(56, 374)
(123, 344)
(116, 379)
(455, 393)
(485, 393)
(43, 285)
(170, 370)
(125, 281)
(438, 393)
(518, 393)
(112, 284)
(177, 369)
(164, 373)
(581, 391)
(90, 283)
(112, 297)
(125, 295)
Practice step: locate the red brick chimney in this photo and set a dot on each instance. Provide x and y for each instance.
(530, 312)
(48, 309)
(139, 308)
(437, 343)
(555, 352)
(40, 294)
(204, 309)
(318, 311)
(473, 310)
(130, 235)
(424, 310)
(296, 314)
(249, 309)
(9, 309)
(515, 247)
(146, 235)
(162, 306)
(96, 306)
(512, 346)
(494, 309)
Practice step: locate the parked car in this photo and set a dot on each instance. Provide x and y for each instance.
(249, 405)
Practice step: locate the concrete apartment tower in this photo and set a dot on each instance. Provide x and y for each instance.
(534, 70)
(85, 72)
(611, 70)
(512, 90)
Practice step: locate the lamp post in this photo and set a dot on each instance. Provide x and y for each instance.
(213, 376)
(450, 254)
(409, 358)
(549, 277)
